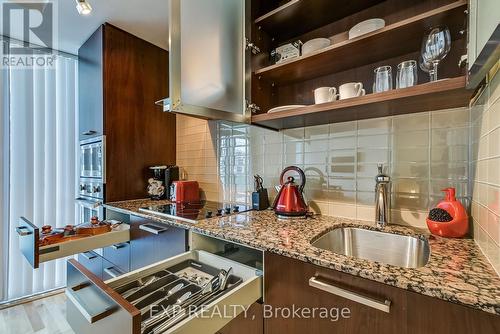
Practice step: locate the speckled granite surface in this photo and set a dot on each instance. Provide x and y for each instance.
(457, 270)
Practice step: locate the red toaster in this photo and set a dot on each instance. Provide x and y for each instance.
(185, 191)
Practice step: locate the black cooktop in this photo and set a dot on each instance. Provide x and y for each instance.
(192, 212)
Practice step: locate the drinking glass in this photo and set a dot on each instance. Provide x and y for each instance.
(435, 46)
(407, 74)
(383, 79)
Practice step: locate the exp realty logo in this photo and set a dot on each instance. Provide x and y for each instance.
(34, 24)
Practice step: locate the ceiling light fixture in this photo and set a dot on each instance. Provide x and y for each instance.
(83, 7)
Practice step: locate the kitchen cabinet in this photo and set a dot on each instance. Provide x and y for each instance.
(119, 255)
(97, 305)
(346, 60)
(373, 307)
(484, 39)
(92, 261)
(120, 78)
(208, 70)
(151, 242)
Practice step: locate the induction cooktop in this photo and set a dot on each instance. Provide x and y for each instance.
(193, 211)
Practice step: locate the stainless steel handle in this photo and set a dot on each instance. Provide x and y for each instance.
(113, 272)
(89, 133)
(90, 316)
(384, 306)
(89, 255)
(23, 231)
(88, 203)
(118, 246)
(151, 228)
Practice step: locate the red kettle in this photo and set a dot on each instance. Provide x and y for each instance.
(290, 199)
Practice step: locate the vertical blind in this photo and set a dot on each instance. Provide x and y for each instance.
(42, 141)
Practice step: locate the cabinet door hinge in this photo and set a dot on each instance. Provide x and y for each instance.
(252, 107)
(251, 46)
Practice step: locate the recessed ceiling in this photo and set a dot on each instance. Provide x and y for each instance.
(147, 19)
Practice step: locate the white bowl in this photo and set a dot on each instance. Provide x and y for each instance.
(284, 108)
(315, 45)
(365, 27)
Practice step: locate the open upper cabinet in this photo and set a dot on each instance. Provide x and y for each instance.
(211, 78)
(208, 68)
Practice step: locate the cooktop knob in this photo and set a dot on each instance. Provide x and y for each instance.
(236, 208)
(219, 212)
(209, 214)
(228, 210)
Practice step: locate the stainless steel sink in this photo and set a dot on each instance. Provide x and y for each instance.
(397, 250)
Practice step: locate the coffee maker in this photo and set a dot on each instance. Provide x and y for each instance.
(159, 184)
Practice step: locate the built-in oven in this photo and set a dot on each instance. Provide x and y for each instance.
(92, 158)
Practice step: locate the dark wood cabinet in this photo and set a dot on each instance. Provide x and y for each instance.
(120, 78)
(287, 285)
(151, 242)
(251, 322)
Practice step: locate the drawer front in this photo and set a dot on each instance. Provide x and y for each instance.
(28, 235)
(151, 242)
(35, 254)
(110, 308)
(92, 261)
(118, 254)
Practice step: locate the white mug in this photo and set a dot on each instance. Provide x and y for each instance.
(351, 89)
(325, 94)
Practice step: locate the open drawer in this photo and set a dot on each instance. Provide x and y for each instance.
(94, 306)
(35, 254)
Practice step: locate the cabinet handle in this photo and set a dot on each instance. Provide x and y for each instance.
(151, 228)
(113, 272)
(89, 133)
(118, 246)
(23, 231)
(89, 255)
(384, 306)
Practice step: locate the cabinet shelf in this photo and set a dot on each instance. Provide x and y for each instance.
(442, 94)
(395, 39)
(300, 16)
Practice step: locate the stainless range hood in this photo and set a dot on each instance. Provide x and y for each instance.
(208, 67)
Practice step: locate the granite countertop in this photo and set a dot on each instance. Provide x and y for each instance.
(457, 270)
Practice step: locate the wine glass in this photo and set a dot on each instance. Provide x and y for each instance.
(435, 46)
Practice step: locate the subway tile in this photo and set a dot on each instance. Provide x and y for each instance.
(492, 200)
(410, 186)
(369, 170)
(345, 197)
(411, 122)
(338, 143)
(293, 159)
(494, 115)
(316, 158)
(342, 156)
(374, 126)
(373, 155)
(411, 139)
(316, 145)
(365, 213)
(375, 141)
(412, 218)
(494, 89)
(493, 171)
(294, 147)
(494, 227)
(365, 198)
(445, 137)
(461, 187)
(317, 132)
(451, 118)
(342, 170)
(293, 134)
(410, 170)
(347, 129)
(410, 201)
(453, 153)
(413, 154)
(450, 171)
(494, 143)
(343, 210)
(341, 184)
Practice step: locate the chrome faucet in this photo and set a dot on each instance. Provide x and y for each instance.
(382, 198)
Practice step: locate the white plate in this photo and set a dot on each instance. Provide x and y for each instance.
(365, 27)
(315, 45)
(287, 107)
